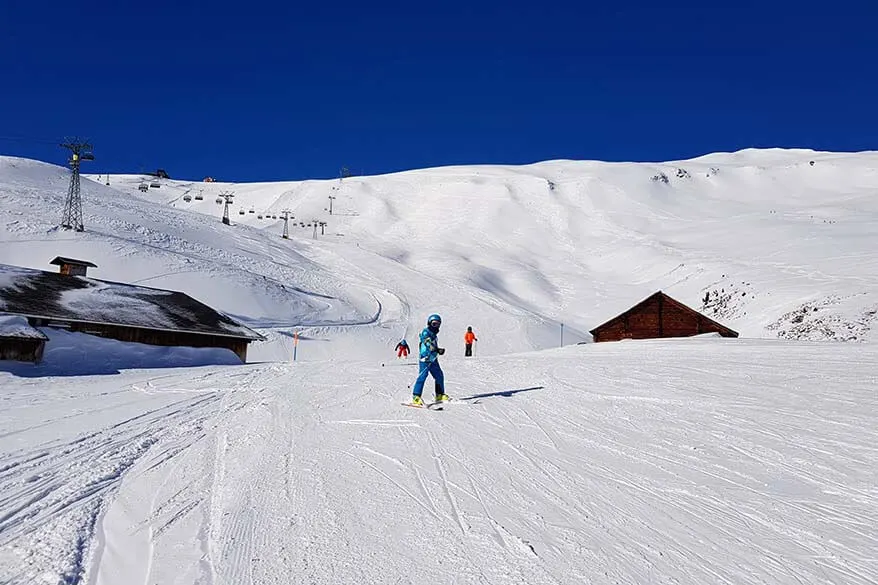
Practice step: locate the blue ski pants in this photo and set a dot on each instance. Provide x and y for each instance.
(433, 369)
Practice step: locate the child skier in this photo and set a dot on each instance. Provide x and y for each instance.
(402, 349)
(468, 338)
(429, 352)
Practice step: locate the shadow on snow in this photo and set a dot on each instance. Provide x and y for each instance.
(503, 393)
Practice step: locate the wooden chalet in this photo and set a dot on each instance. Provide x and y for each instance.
(658, 316)
(116, 310)
(19, 341)
(72, 267)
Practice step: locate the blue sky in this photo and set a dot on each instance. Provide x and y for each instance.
(290, 90)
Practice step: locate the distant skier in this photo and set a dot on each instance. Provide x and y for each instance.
(429, 352)
(402, 349)
(468, 338)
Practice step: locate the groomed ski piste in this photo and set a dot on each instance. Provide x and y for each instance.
(690, 461)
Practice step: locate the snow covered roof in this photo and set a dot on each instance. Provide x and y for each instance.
(17, 326)
(36, 293)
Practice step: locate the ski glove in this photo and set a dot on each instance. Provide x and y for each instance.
(440, 350)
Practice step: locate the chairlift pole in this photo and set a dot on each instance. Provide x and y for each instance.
(71, 219)
(286, 213)
(331, 197)
(227, 197)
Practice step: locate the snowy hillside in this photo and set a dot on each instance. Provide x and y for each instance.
(779, 247)
(690, 461)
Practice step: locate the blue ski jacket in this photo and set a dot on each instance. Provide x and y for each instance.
(429, 346)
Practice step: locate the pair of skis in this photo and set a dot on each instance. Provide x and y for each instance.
(437, 405)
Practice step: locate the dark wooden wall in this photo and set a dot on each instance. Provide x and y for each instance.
(156, 337)
(73, 270)
(22, 349)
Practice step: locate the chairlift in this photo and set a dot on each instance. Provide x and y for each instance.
(219, 200)
(241, 212)
(259, 216)
(187, 198)
(143, 187)
(251, 211)
(273, 217)
(155, 185)
(87, 156)
(199, 197)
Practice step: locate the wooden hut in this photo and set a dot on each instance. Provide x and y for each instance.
(118, 311)
(658, 316)
(72, 267)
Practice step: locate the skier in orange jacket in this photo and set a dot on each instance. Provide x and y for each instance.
(468, 338)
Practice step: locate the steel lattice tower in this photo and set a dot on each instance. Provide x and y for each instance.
(72, 217)
(227, 196)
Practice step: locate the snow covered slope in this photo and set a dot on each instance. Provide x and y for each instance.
(780, 246)
(677, 461)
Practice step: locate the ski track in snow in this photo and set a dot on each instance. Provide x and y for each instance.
(55, 490)
(662, 462)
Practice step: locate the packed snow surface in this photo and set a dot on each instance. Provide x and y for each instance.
(688, 461)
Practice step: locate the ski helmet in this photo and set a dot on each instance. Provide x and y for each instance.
(434, 318)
